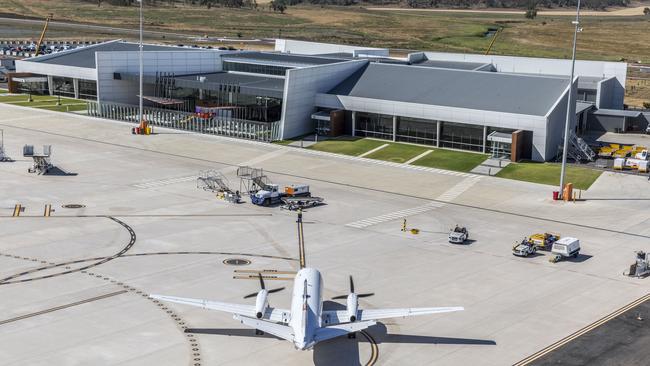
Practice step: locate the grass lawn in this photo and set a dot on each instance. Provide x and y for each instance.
(451, 160)
(398, 153)
(45, 102)
(3, 91)
(549, 173)
(347, 146)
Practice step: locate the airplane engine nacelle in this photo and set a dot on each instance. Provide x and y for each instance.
(353, 306)
(261, 303)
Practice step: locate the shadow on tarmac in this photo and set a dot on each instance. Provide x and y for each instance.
(345, 351)
(56, 171)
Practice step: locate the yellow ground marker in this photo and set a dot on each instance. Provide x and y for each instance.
(48, 210)
(17, 210)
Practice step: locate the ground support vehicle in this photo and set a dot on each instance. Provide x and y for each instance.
(458, 235)
(565, 248)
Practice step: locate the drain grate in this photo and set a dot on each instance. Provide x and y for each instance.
(73, 205)
(236, 262)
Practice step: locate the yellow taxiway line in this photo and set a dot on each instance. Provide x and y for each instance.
(581, 332)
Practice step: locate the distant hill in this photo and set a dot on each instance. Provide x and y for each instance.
(591, 4)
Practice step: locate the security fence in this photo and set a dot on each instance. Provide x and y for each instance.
(223, 126)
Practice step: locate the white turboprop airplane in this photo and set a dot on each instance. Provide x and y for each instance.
(306, 323)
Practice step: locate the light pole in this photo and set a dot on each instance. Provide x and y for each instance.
(567, 123)
(141, 65)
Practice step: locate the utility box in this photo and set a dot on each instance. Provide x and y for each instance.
(566, 247)
(297, 190)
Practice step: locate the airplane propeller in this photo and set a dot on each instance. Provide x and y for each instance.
(263, 288)
(352, 291)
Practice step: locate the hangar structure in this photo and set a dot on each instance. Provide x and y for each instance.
(513, 107)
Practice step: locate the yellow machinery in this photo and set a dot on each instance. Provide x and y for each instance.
(543, 241)
(494, 38)
(40, 39)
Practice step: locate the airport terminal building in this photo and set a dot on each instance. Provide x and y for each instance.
(509, 106)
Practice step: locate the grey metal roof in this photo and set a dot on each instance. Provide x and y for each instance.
(451, 64)
(617, 113)
(532, 95)
(281, 58)
(249, 84)
(85, 56)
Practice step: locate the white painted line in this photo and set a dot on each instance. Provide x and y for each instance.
(372, 151)
(446, 196)
(419, 157)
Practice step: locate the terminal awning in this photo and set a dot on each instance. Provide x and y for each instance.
(582, 106)
(500, 137)
(31, 79)
(163, 101)
(617, 113)
(321, 116)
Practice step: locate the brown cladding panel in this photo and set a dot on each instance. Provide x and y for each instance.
(522, 144)
(11, 84)
(337, 123)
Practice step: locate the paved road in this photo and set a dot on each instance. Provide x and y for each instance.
(623, 340)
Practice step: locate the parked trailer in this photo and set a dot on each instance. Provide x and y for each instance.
(299, 203)
(565, 248)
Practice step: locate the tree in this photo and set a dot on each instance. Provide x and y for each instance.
(278, 5)
(531, 11)
(646, 11)
(646, 105)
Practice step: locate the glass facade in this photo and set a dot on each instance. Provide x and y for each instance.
(374, 125)
(87, 89)
(63, 87)
(421, 131)
(461, 136)
(417, 131)
(255, 68)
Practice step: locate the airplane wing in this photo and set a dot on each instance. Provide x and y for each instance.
(271, 314)
(341, 330)
(278, 330)
(341, 316)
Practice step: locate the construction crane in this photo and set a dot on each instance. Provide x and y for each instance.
(494, 38)
(40, 39)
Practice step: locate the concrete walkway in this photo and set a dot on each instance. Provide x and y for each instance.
(490, 166)
(372, 151)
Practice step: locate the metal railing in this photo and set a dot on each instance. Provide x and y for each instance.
(223, 126)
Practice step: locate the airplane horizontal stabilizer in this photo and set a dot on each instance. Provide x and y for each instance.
(341, 330)
(278, 330)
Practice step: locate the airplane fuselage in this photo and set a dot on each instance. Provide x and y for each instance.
(306, 307)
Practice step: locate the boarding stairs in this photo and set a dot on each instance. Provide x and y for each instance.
(252, 179)
(212, 180)
(579, 150)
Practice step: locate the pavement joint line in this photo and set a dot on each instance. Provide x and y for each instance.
(372, 150)
(587, 329)
(418, 157)
(240, 141)
(146, 215)
(61, 307)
